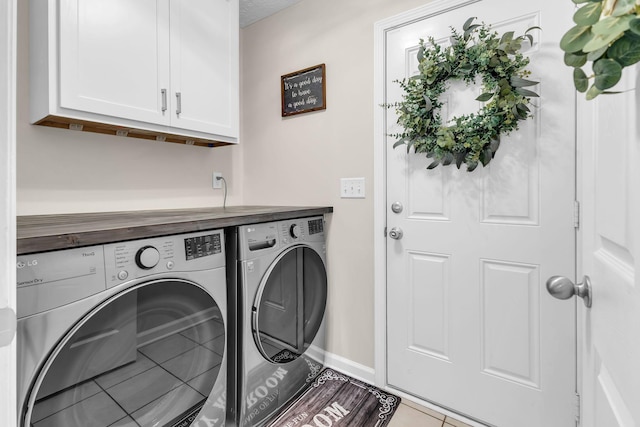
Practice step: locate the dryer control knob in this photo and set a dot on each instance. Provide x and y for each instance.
(147, 257)
(294, 231)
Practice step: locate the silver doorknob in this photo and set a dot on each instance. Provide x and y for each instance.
(563, 288)
(397, 207)
(396, 233)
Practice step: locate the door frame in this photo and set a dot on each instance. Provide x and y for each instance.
(8, 47)
(381, 28)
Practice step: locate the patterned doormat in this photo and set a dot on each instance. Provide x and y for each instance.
(337, 400)
(187, 417)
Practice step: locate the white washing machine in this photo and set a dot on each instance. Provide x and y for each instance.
(283, 290)
(124, 334)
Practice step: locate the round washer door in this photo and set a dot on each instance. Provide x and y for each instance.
(290, 304)
(149, 355)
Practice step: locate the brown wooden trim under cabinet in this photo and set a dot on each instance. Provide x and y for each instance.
(108, 129)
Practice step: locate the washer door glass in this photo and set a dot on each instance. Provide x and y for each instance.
(148, 356)
(290, 305)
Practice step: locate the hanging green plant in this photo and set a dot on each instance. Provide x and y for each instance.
(607, 34)
(474, 138)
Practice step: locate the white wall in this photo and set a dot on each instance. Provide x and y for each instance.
(300, 159)
(62, 171)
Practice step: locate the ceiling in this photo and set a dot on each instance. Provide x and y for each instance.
(254, 10)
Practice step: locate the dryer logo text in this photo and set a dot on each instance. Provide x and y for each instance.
(22, 264)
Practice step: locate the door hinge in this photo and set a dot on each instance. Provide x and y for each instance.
(576, 214)
(577, 409)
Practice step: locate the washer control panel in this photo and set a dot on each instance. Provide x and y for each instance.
(201, 246)
(304, 229)
(257, 238)
(316, 226)
(190, 252)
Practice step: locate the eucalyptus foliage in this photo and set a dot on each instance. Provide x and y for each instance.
(474, 138)
(607, 33)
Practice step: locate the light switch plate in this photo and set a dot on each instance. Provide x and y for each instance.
(352, 188)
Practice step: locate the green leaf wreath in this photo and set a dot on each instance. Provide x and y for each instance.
(474, 138)
(607, 32)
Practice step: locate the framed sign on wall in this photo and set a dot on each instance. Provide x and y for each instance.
(304, 91)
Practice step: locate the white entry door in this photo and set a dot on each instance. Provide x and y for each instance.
(609, 137)
(470, 325)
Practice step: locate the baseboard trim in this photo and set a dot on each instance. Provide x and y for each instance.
(351, 368)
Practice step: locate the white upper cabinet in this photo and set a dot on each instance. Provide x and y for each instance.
(114, 58)
(206, 86)
(155, 69)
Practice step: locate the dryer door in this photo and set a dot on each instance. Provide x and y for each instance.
(290, 304)
(148, 356)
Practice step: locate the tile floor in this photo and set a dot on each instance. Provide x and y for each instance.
(174, 373)
(410, 414)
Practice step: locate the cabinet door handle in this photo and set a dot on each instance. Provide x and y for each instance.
(164, 99)
(179, 103)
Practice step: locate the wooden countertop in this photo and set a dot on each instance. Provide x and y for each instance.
(41, 233)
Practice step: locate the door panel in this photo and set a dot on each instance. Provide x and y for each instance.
(429, 330)
(511, 189)
(610, 138)
(114, 58)
(470, 325)
(204, 65)
(510, 336)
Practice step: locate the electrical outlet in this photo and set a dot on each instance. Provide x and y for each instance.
(352, 188)
(217, 183)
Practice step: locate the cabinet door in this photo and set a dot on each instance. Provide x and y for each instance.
(114, 58)
(204, 65)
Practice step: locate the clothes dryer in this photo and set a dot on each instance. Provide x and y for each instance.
(124, 334)
(283, 288)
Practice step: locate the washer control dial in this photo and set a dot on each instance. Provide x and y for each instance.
(294, 230)
(147, 257)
